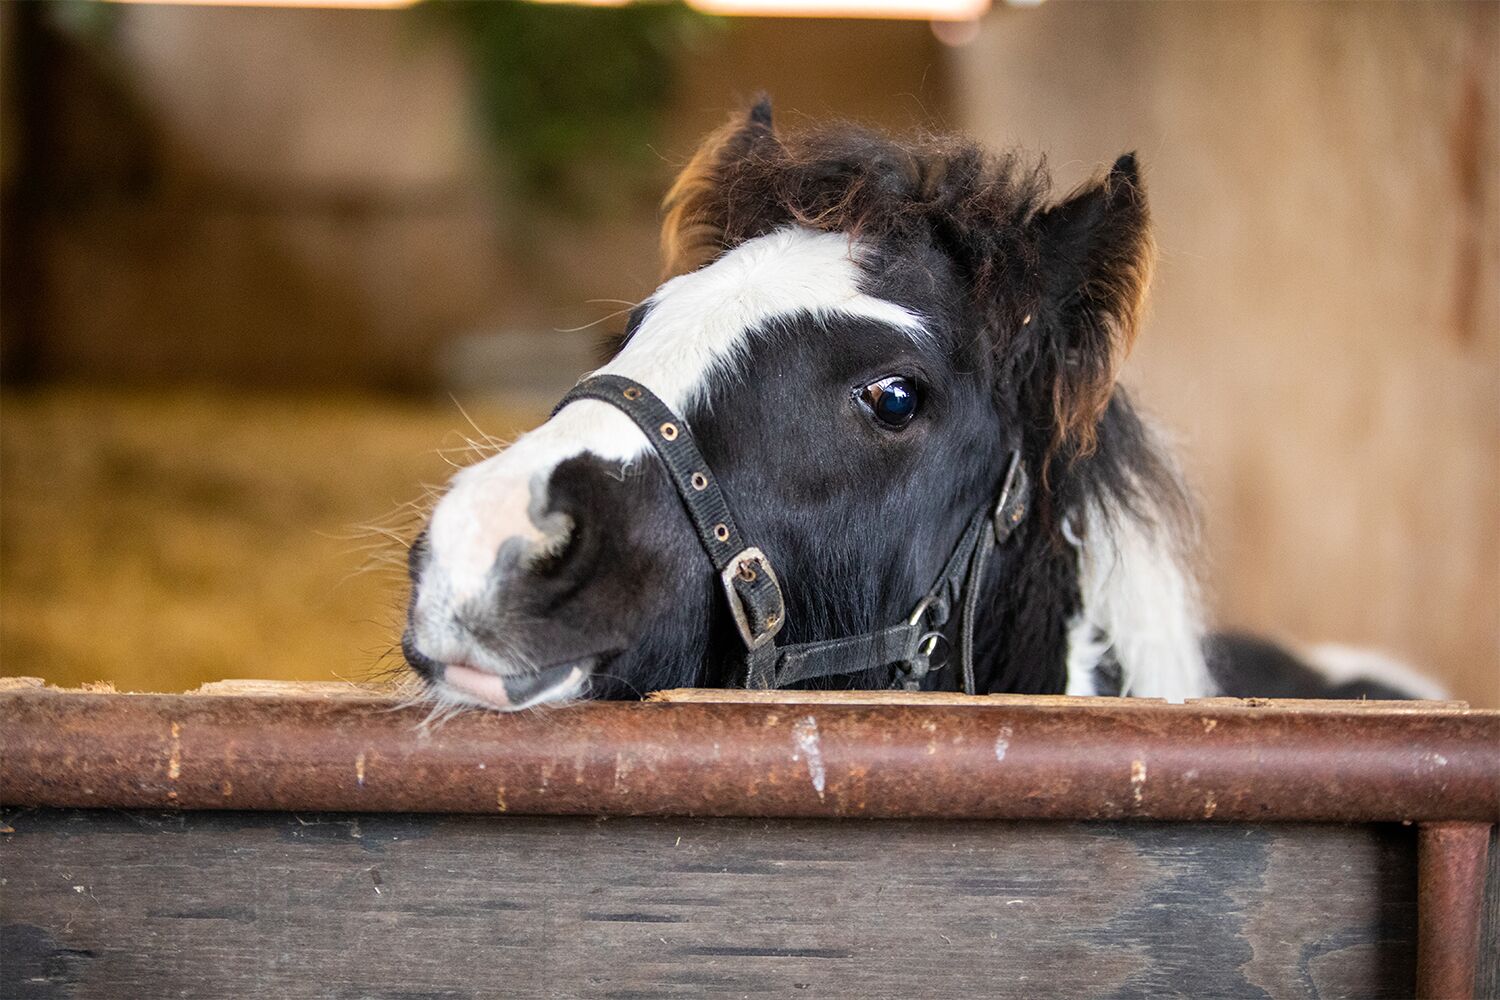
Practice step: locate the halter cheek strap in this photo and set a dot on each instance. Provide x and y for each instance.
(749, 584)
(753, 592)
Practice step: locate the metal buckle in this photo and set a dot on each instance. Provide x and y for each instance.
(929, 644)
(921, 610)
(934, 605)
(920, 665)
(733, 568)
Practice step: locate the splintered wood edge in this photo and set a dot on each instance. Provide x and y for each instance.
(334, 690)
(737, 696)
(328, 690)
(348, 691)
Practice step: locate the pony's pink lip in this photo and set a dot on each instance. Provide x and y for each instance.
(514, 691)
(484, 686)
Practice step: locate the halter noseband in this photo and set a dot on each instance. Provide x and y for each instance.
(753, 593)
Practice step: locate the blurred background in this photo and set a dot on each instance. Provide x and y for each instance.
(269, 268)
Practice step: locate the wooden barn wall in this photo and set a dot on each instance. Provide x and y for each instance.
(1325, 332)
(280, 197)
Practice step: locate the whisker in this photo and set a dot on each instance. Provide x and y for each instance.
(601, 319)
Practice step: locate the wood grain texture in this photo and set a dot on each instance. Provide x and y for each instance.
(794, 697)
(246, 905)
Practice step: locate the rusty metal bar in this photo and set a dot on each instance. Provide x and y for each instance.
(1452, 862)
(1012, 759)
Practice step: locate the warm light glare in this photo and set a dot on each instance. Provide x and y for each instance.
(955, 33)
(916, 10)
(371, 4)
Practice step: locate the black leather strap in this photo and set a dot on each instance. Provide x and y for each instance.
(1010, 510)
(748, 581)
(809, 660)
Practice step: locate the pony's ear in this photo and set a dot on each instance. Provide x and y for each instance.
(760, 113)
(692, 232)
(1096, 256)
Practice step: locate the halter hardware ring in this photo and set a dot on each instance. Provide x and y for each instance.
(929, 643)
(758, 564)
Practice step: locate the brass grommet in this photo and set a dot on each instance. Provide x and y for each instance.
(700, 481)
(669, 431)
(771, 620)
(746, 571)
(632, 392)
(721, 532)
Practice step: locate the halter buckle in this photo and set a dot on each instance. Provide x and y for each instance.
(750, 563)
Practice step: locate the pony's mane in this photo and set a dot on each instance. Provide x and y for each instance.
(745, 181)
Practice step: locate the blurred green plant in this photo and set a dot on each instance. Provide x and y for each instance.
(82, 18)
(573, 96)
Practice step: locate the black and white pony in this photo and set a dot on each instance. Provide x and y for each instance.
(859, 331)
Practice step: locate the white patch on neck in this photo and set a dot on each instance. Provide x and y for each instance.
(1140, 600)
(1341, 664)
(698, 326)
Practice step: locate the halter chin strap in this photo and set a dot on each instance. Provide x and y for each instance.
(753, 593)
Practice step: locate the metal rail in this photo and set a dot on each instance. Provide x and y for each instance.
(979, 759)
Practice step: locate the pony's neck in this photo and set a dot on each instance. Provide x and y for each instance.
(1020, 639)
(1138, 629)
(1102, 600)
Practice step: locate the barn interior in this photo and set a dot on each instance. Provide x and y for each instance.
(270, 271)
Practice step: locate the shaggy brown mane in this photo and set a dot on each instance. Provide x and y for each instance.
(988, 212)
(744, 181)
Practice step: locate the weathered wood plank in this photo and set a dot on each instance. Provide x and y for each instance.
(246, 905)
(793, 697)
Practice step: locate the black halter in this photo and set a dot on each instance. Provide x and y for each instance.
(753, 592)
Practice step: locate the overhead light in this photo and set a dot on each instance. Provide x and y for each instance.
(955, 33)
(369, 4)
(916, 10)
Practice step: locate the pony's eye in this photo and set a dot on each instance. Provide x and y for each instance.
(892, 400)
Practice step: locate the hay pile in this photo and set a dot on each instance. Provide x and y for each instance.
(161, 541)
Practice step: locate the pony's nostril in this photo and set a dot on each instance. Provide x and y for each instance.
(558, 550)
(424, 665)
